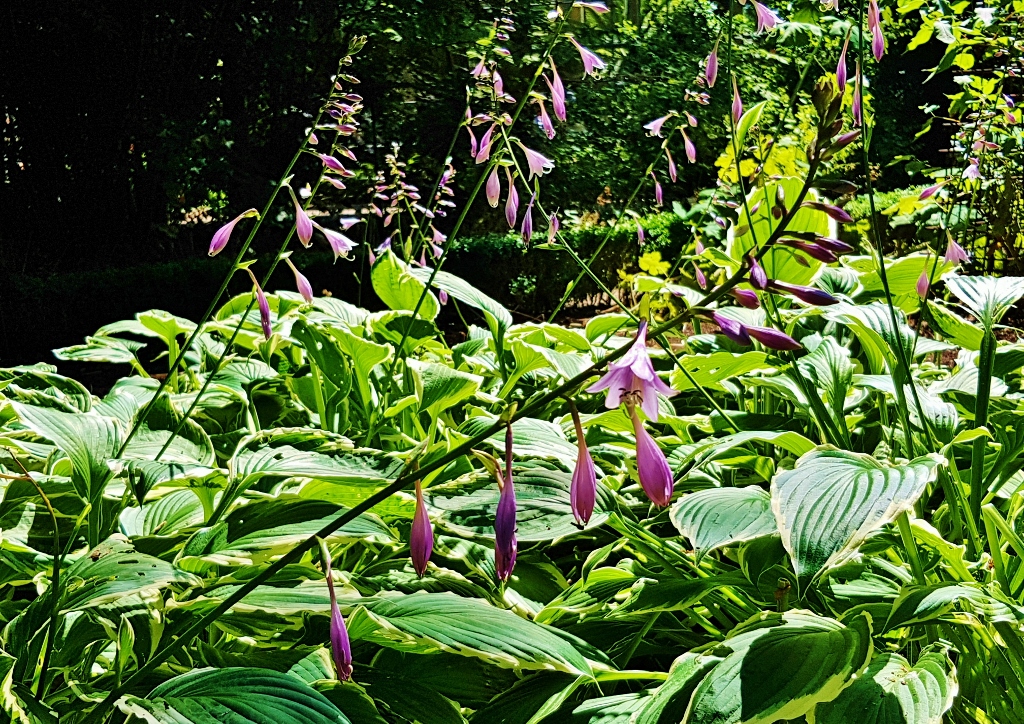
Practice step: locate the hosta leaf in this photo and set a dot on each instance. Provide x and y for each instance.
(902, 275)
(891, 691)
(604, 325)
(617, 709)
(531, 438)
(439, 387)
(498, 318)
(710, 370)
(953, 327)
(544, 513)
(38, 385)
(872, 324)
(432, 622)
(232, 696)
(365, 355)
(701, 452)
(988, 298)
(722, 516)
(674, 594)
(920, 604)
(671, 698)
(832, 499)
(163, 516)
(101, 349)
(396, 285)
(779, 666)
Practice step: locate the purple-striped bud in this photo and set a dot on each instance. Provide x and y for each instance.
(654, 127)
(557, 92)
(303, 224)
(731, 328)
(746, 298)
(313, 140)
(493, 188)
(955, 253)
(773, 338)
(341, 647)
(539, 163)
(480, 70)
(527, 228)
(591, 61)
(583, 489)
(923, 284)
(651, 466)
(691, 119)
(834, 245)
(673, 172)
(711, 66)
(545, 121)
(841, 67)
(737, 103)
(505, 518)
(702, 281)
(421, 537)
(223, 235)
(691, 150)
(835, 212)
(301, 283)
(553, 226)
(875, 26)
(758, 278)
(659, 197)
(809, 295)
(332, 163)
(335, 182)
(766, 17)
(815, 251)
(512, 202)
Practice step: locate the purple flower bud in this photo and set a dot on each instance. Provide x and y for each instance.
(512, 202)
(442, 296)
(553, 226)
(702, 281)
(844, 140)
(737, 103)
(758, 278)
(746, 298)
(557, 92)
(773, 338)
(583, 489)
(922, 284)
(545, 121)
(834, 245)
(766, 17)
(539, 164)
(673, 172)
(480, 70)
(341, 245)
(651, 466)
(1009, 100)
(341, 648)
(223, 234)
(954, 253)
(527, 228)
(335, 182)
(301, 283)
(332, 163)
(731, 328)
(591, 61)
(493, 188)
(264, 305)
(421, 538)
(485, 144)
(810, 295)
(711, 66)
(472, 142)
(834, 211)
(640, 234)
(505, 518)
(499, 84)
(815, 251)
(691, 119)
(858, 101)
(659, 197)
(654, 127)
(841, 67)
(303, 224)
(691, 150)
(698, 247)
(313, 140)
(875, 26)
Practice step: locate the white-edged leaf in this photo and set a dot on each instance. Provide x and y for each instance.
(398, 287)
(719, 517)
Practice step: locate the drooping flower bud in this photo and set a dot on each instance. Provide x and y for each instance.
(858, 100)
(341, 647)
(583, 489)
(301, 283)
(493, 188)
(264, 305)
(485, 144)
(332, 163)
(553, 226)
(651, 466)
(421, 537)
(223, 235)
(303, 224)
(773, 338)
(813, 250)
(545, 121)
(737, 103)
(673, 172)
(527, 228)
(711, 66)
(659, 197)
(809, 295)
(923, 284)
(512, 202)
(591, 61)
(691, 150)
(834, 245)
(731, 328)
(473, 148)
(702, 281)
(746, 297)
(557, 92)
(875, 26)
(841, 67)
(835, 212)
(505, 518)
(640, 238)
(758, 277)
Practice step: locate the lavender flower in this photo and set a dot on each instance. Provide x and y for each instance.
(834, 211)
(473, 148)
(539, 163)
(651, 466)
(512, 202)
(702, 281)
(341, 648)
(811, 249)
(421, 537)
(485, 144)
(634, 374)
(442, 296)
(737, 103)
(691, 150)
(553, 225)
(591, 61)
(875, 26)
(583, 489)
(640, 234)
(480, 70)
(557, 92)
(545, 120)
(223, 235)
(773, 338)
(341, 245)
(922, 284)
(303, 224)
(834, 245)
(505, 518)
(758, 277)
(493, 188)
(673, 172)
(659, 197)
(301, 283)
(332, 163)
(527, 228)
(499, 84)
(599, 8)
(841, 66)
(711, 66)
(731, 328)
(264, 305)
(766, 17)
(654, 127)
(973, 171)
(954, 253)
(691, 119)
(810, 295)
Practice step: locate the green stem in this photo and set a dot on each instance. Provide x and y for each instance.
(903, 523)
(984, 389)
(318, 389)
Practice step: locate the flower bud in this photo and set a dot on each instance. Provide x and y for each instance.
(773, 338)
(651, 466)
(223, 234)
(421, 538)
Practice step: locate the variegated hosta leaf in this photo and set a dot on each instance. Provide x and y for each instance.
(923, 604)
(499, 319)
(398, 288)
(779, 666)
(832, 499)
(891, 691)
(872, 324)
(988, 298)
(719, 517)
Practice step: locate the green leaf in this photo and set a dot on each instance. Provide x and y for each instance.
(719, 517)
(747, 120)
(944, 601)
(439, 387)
(674, 594)
(101, 349)
(499, 319)
(670, 701)
(891, 691)
(832, 499)
(988, 298)
(710, 370)
(365, 356)
(531, 438)
(432, 622)
(232, 696)
(872, 324)
(902, 275)
(398, 287)
(779, 666)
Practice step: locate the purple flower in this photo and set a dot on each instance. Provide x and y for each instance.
(1009, 100)
(634, 373)
(711, 66)
(673, 172)
(442, 296)
(702, 281)
(731, 328)
(505, 518)
(527, 228)
(332, 163)
(640, 234)
(758, 278)
(512, 202)
(539, 163)
(810, 295)
(746, 297)
(922, 284)
(773, 338)
(485, 145)
(341, 648)
(858, 100)
(553, 226)
(599, 8)
(335, 182)
(313, 140)
(834, 211)
(841, 67)
(659, 197)
(480, 70)
(583, 489)
(590, 60)
(811, 249)
(651, 466)
(737, 103)
(303, 224)
(654, 127)
(264, 305)
(493, 188)
(545, 121)
(954, 253)
(421, 537)
(301, 283)
(557, 92)
(973, 171)
(341, 245)
(223, 234)
(875, 26)
(766, 17)
(691, 150)
(499, 84)
(691, 119)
